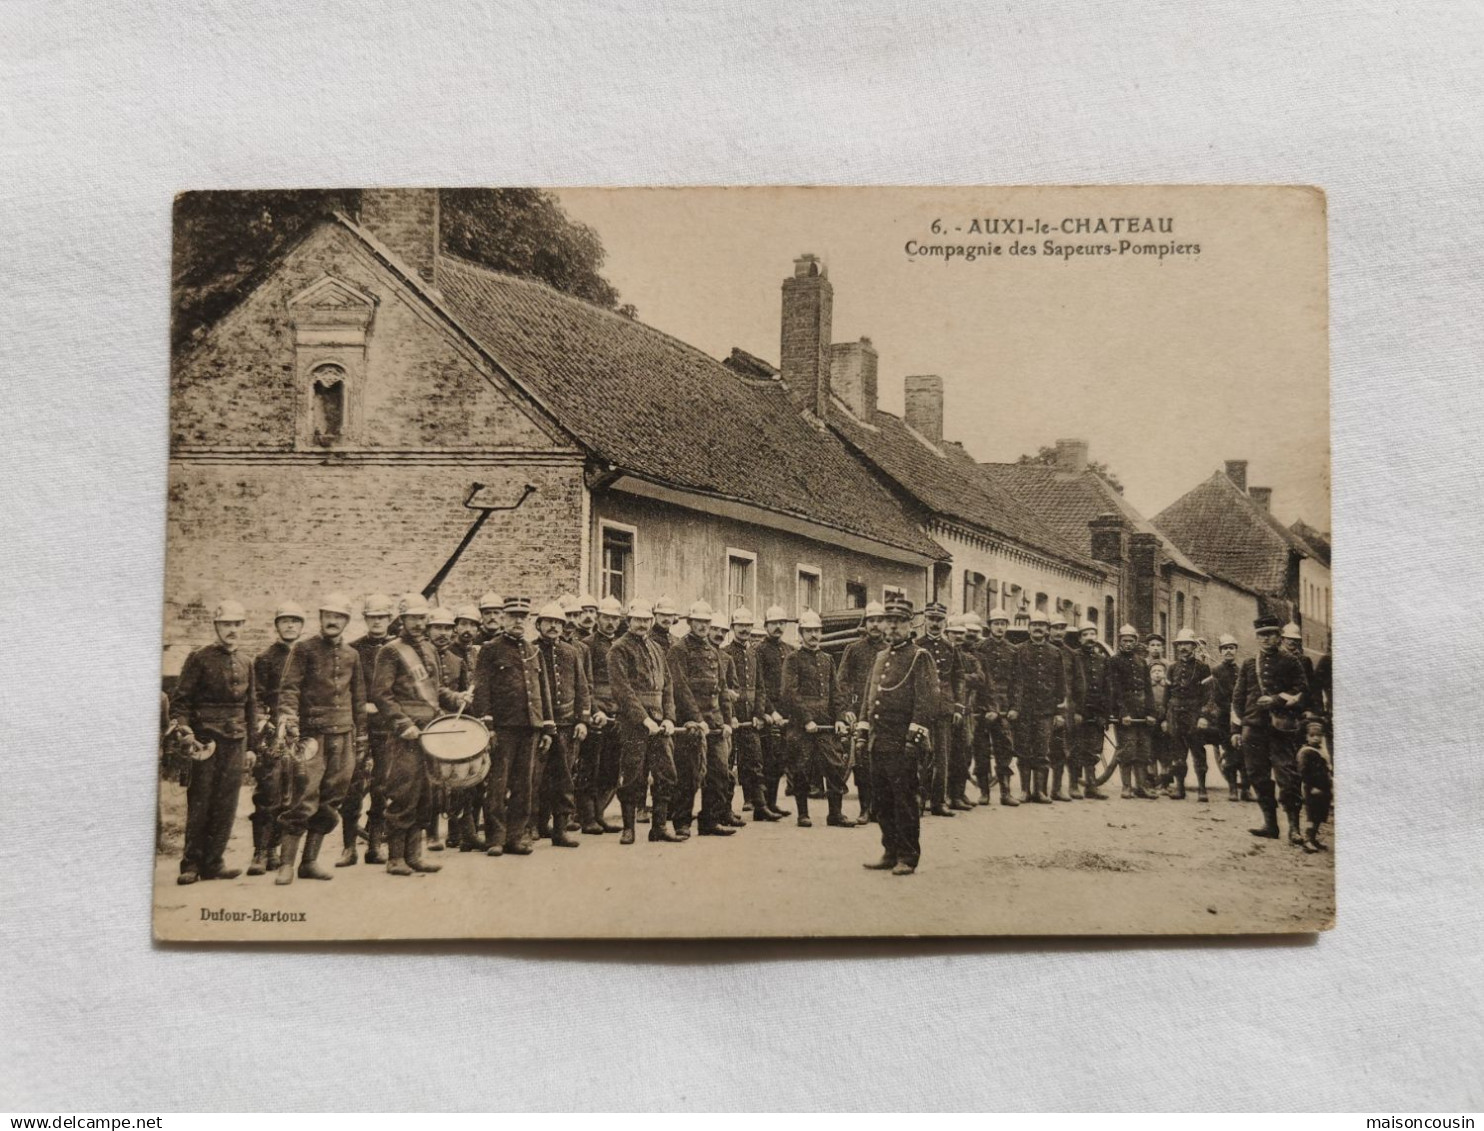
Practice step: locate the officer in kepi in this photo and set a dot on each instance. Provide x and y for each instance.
(214, 705)
(898, 709)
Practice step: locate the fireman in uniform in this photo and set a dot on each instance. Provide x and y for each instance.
(442, 632)
(665, 617)
(950, 710)
(215, 701)
(855, 672)
(491, 617)
(269, 786)
(1131, 699)
(1095, 712)
(747, 735)
(959, 750)
(564, 668)
(597, 771)
(370, 771)
(997, 658)
(1188, 678)
(512, 696)
(644, 697)
(702, 752)
(322, 698)
(1037, 701)
(771, 653)
(1063, 745)
(732, 693)
(458, 672)
(815, 716)
(898, 707)
(1267, 698)
(1217, 715)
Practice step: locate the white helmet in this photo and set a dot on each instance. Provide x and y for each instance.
(643, 609)
(491, 600)
(774, 613)
(335, 603)
(415, 605)
(378, 605)
(719, 620)
(552, 610)
(742, 615)
(611, 606)
(290, 609)
(810, 619)
(1186, 636)
(587, 601)
(665, 607)
(700, 611)
(875, 609)
(1226, 640)
(466, 612)
(440, 615)
(1292, 631)
(229, 611)
(1128, 630)
(999, 615)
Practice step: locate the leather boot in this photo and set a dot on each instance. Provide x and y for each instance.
(590, 826)
(259, 863)
(289, 848)
(1057, 792)
(761, 811)
(603, 823)
(1074, 783)
(469, 840)
(1200, 786)
(1312, 843)
(348, 856)
(414, 853)
(903, 868)
(396, 852)
(803, 821)
(374, 833)
(1007, 795)
(983, 787)
(771, 795)
(837, 816)
(658, 826)
(1142, 788)
(1092, 792)
(1027, 783)
(1038, 788)
(628, 823)
(885, 864)
(275, 853)
(1269, 830)
(1126, 775)
(559, 830)
(309, 867)
(1295, 836)
(1177, 783)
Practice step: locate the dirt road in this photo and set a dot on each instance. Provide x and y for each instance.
(1120, 867)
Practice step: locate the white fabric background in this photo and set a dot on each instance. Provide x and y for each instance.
(105, 114)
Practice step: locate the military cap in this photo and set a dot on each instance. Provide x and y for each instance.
(519, 605)
(1264, 625)
(935, 609)
(1153, 636)
(899, 607)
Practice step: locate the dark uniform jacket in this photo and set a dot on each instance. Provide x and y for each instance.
(855, 672)
(744, 662)
(216, 693)
(598, 649)
(1038, 679)
(974, 685)
(510, 685)
(950, 670)
(458, 665)
(323, 687)
(366, 648)
(407, 686)
(902, 692)
(809, 689)
(770, 657)
(1096, 699)
(1188, 688)
(566, 676)
(1076, 676)
(731, 687)
(1130, 693)
(267, 674)
(998, 660)
(642, 686)
(1218, 706)
(1268, 673)
(695, 669)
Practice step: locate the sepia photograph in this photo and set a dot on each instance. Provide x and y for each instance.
(746, 563)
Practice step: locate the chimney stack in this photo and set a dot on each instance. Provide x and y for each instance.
(1109, 538)
(804, 354)
(1071, 456)
(1262, 496)
(405, 222)
(853, 376)
(1236, 471)
(925, 405)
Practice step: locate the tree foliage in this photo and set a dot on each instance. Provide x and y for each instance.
(1046, 456)
(224, 239)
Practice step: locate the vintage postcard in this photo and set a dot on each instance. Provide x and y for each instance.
(804, 562)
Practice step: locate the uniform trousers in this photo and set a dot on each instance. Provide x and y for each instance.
(1187, 742)
(1037, 734)
(775, 760)
(701, 762)
(406, 784)
(959, 752)
(747, 754)
(936, 777)
(1133, 745)
(1089, 745)
(646, 762)
(1272, 754)
(510, 787)
(1229, 759)
(211, 804)
(811, 756)
(1000, 736)
(317, 785)
(554, 772)
(894, 793)
(369, 776)
(267, 801)
(596, 777)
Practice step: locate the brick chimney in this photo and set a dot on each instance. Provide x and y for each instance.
(1108, 538)
(1071, 456)
(405, 222)
(1262, 496)
(1143, 561)
(853, 376)
(925, 405)
(804, 354)
(1236, 471)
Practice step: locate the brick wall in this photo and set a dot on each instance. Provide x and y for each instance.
(406, 222)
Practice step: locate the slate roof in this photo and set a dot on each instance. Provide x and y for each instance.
(1224, 531)
(662, 410)
(1068, 501)
(946, 481)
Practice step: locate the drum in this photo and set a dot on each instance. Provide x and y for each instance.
(457, 751)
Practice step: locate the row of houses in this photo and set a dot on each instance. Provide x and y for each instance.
(356, 418)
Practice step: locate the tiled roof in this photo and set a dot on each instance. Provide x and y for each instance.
(945, 480)
(1316, 540)
(1228, 534)
(662, 410)
(1068, 501)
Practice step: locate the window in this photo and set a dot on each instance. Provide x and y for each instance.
(1179, 611)
(1195, 614)
(992, 597)
(855, 595)
(973, 592)
(618, 562)
(741, 572)
(1164, 625)
(1092, 617)
(890, 591)
(1109, 616)
(806, 590)
(329, 403)
(1042, 600)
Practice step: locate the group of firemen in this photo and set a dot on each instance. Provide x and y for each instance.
(612, 701)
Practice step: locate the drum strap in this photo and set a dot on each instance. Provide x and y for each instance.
(422, 681)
